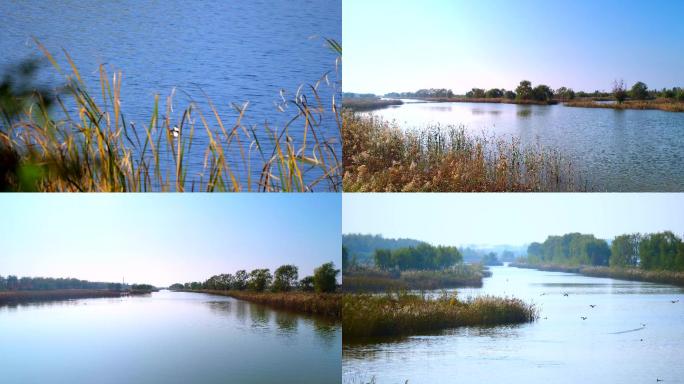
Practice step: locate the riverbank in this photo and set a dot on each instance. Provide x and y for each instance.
(659, 104)
(365, 104)
(369, 316)
(495, 100)
(17, 297)
(322, 304)
(379, 281)
(379, 156)
(632, 274)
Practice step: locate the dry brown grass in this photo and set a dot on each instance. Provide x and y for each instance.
(7, 297)
(381, 157)
(323, 304)
(660, 104)
(365, 104)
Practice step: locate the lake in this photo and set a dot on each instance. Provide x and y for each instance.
(629, 150)
(231, 51)
(165, 337)
(610, 346)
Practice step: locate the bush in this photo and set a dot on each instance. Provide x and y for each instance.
(325, 278)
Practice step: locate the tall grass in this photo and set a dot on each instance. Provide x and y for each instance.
(367, 104)
(375, 280)
(380, 156)
(365, 316)
(660, 104)
(632, 274)
(91, 146)
(324, 304)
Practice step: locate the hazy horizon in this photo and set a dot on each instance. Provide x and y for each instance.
(163, 239)
(509, 219)
(401, 46)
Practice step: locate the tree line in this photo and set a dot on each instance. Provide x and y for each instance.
(284, 279)
(653, 251)
(14, 283)
(421, 257)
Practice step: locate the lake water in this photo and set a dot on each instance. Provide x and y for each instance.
(166, 337)
(630, 150)
(610, 346)
(233, 51)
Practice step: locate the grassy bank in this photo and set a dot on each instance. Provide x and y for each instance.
(323, 304)
(633, 274)
(377, 281)
(12, 297)
(365, 104)
(381, 157)
(660, 104)
(367, 316)
(496, 100)
(79, 139)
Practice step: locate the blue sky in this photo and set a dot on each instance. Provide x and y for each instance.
(165, 238)
(394, 45)
(509, 218)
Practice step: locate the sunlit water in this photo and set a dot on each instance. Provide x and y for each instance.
(630, 150)
(610, 346)
(229, 51)
(168, 337)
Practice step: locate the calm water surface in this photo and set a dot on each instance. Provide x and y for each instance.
(611, 346)
(168, 337)
(628, 150)
(232, 51)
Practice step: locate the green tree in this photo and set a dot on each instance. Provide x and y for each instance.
(639, 91)
(494, 93)
(285, 278)
(625, 250)
(307, 284)
(325, 278)
(383, 258)
(524, 90)
(345, 258)
(510, 95)
(240, 280)
(542, 93)
(259, 279)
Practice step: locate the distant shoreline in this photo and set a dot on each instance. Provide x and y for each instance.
(631, 274)
(18, 297)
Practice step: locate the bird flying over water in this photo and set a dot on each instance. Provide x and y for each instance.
(592, 305)
(675, 301)
(583, 317)
(565, 294)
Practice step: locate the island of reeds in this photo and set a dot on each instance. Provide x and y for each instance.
(315, 295)
(78, 139)
(651, 257)
(381, 275)
(16, 290)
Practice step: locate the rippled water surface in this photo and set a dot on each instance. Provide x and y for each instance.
(634, 334)
(630, 150)
(166, 337)
(230, 51)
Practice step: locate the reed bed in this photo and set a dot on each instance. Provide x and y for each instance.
(365, 104)
(495, 100)
(379, 156)
(9, 297)
(632, 274)
(91, 146)
(376, 281)
(323, 304)
(659, 104)
(402, 314)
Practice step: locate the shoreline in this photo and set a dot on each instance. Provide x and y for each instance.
(667, 106)
(321, 304)
(19, 297)
(629, 274)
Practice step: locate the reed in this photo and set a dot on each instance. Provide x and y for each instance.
(365, 104)
(91, 146)
(323, 304)
(381, 157)
(376, 281)
(659, 104)
(632, 274)
(401, 314)
(14, 297)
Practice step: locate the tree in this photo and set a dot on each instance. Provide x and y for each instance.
(240, 280)
(177, 286)
(639, 91)
(542, 93)
(564, 93)
(476, 93)
(661, 251)
(345, 258)
(524, 90)
(259, 279)
(383, 258)
(510, 95)
(619, 91)
(307, 284)
(325, 278)
(285, 278)
(490, 259)
(625, 251)
(494, 93)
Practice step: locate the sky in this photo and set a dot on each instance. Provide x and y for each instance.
(165, 238)
(509, 218)
(394, 45)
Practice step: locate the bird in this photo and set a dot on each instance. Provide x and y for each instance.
(641, 339)
(592, 305)
(174, 131)
(674, 301)
(543, 293)
(545, 317)
(583, 317)
(643, 325)
(657, 379)
(565, 294)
